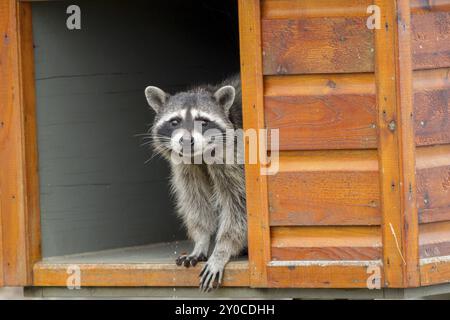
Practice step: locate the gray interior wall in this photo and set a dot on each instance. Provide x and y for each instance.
(96, 191)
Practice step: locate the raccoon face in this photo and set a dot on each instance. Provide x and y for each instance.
(190, 123)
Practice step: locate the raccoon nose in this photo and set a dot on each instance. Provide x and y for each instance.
(186, 141)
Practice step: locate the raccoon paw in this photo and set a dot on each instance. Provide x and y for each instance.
(211, 276)
(190, 260)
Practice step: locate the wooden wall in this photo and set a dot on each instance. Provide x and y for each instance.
(356, 110)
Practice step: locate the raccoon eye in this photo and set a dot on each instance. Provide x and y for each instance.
(174, 122)
(203, 122)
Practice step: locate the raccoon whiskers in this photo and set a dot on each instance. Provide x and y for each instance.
(210, 198)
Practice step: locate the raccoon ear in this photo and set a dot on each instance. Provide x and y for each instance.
(155, 97)
(225, 97)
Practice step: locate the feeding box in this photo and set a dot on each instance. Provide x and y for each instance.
(362, 108)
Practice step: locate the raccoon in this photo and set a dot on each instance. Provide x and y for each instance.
(210, 198)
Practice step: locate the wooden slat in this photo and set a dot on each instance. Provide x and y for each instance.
(434, 239)
(338, 111)
(33, 221)
(302, 45)
(431, 40)
(434, 271)
(326, 243)
(322, 111)
(253, 118)
(396, 144)
(325, 188)
(135, 275)
(423, 6)
(294, 9)
(432, 106)
(19, 206)
(433, 183)
(317, 45)
(321, 275)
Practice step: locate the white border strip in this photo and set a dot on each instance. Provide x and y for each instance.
(325, 263)
(424, 261)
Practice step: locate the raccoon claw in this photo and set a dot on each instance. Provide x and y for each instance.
(189, 261)
(210, 277)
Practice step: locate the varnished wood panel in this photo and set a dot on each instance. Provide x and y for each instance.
(285, 9)
(33, 231)
(393, 75)
(319, 43)
(423, 6)
(431, 40)
(289, 9)
(432, 106)
(294, 46)
(322, 112)
(135, 275)
(434, 239)
(19, 206)
(325, 188)
(253, 118)
(434, 272)
(340, 275)
(338, 111)
(433, 183)
(326, 243)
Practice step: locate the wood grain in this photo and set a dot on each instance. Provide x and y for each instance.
(322, 111)
(312, 43)
(317, 45)
(18, 203)
(431, 40)
(434, 239)
(432, 106)
(338, 111)
(291, 9)
(135, 275)
(253, 118)
(424, 6)
(433, 183)
(326, 243)
(434, 272)
(325, 188)
(30, 135)
(321, 276)
(393, 75)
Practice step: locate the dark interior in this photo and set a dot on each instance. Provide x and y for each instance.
(97, 190)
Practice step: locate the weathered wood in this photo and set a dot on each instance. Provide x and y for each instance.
(407, 183)
(421, 6)
(325, 188)
(253, 118)
(322, 275)
(434, 271)
(33, 231)
(294, 46)
(18, 181)
(396, 144)
(432, 106)
(433, 183)
(338, 44)
(289, 9)
(135, 275)
(434, 239)
(431, 40)
(326, 243)
(338, 111)
(322, 112)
